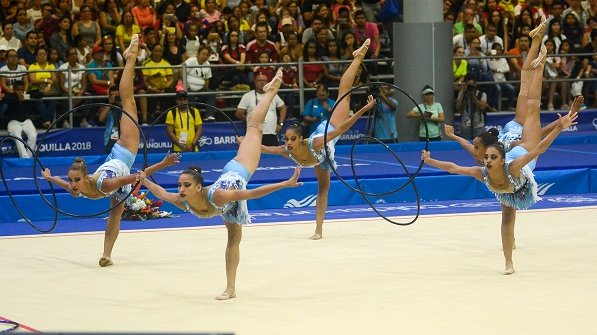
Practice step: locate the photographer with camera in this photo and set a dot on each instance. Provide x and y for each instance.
(471, 104)
(433, 115)
(111, 118)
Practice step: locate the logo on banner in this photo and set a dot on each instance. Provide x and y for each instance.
(309, 201)
(581, 199)
(543, 188)
(204, 140)
(595, 123)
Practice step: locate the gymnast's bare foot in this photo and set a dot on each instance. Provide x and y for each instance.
(226, 295)
(133, 47)
(315, 236)
(105, 261)
(539, 31)
(275, 83)
(509, 268)
(362, 51)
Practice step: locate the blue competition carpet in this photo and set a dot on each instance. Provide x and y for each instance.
(288, 215)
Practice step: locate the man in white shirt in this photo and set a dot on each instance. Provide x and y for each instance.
(198, 75)
(273, 123)
(9, 40)
(490, 38)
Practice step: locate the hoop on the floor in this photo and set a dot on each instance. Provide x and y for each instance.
(11, 197)
(76, 109)
(10, 326)
(359, 189)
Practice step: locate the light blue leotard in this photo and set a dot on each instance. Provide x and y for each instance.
(522, 193)
(234, 176)
(320, 155)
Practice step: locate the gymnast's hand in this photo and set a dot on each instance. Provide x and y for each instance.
(171, 159)
(568, 120)
(140, 177)
(370, 103)
(425, 155)
(293, 181)
(46, 173)
(577, 104)
(449, 130)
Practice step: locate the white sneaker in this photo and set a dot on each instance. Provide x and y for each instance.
(210, 119)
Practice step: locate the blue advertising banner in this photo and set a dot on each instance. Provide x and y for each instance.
(90, 141)
(430, 188)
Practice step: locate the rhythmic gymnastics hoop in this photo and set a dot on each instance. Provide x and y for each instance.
(11, 325)
(359, 189)
(10, 195)
(98, 104)
(366, 197)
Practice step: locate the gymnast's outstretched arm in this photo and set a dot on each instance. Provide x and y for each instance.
(563, 123)
(473, 171)
(109, 185)
(344, 126)
(161, 193)
(222, 197)
(47, 174)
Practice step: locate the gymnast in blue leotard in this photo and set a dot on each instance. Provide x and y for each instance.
(510, 176)
(113, 179)
(228, 196)
(310, 151)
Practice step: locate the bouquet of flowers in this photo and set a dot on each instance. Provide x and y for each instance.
(139, 207)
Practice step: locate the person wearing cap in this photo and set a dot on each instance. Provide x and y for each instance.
(433, 115)
(286, 26)
(100, 80)
(184, 125)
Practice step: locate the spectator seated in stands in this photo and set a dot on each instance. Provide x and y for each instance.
(20, 112)
(198, 79)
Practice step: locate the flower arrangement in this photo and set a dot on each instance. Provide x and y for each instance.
(139, 207)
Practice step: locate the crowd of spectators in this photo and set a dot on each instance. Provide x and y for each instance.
(88, 36)
(497, 28)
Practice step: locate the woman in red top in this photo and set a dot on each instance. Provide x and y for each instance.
(144, 15)
(312, 73)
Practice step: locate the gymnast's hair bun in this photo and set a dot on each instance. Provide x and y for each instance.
(195, 169)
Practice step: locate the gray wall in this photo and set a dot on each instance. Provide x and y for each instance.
(422, 56)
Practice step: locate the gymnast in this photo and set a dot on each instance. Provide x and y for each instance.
(228, 195)
(510, 135)
(311, 152)
(113, 178)
(509, 175)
